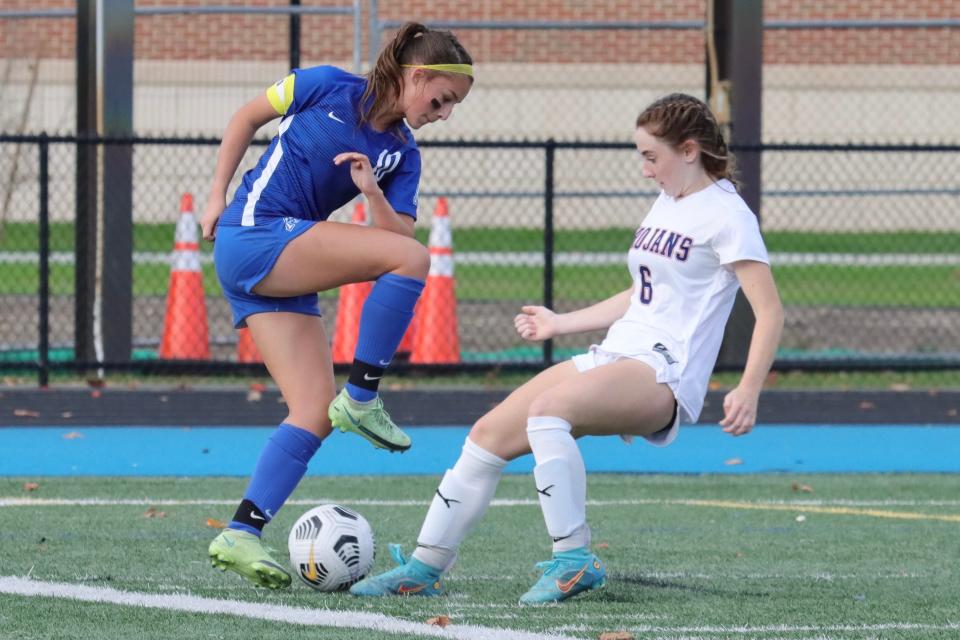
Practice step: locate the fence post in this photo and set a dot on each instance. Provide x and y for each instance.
(294, 36)
(87, 185)
(116, 295)
(738, 38)
(43, 304)
(549, 156)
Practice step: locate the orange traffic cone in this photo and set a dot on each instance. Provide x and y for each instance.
(246, 348)
(185, 334)
(352, 296)
(437, 340)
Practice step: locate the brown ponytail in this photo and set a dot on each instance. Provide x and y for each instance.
(413, 44)
(677, 118)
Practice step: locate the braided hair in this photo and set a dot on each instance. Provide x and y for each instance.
(679, 117)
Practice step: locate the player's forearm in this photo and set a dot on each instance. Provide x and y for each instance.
(763, 346)
(236, 139)
(598, 316)
(383, 215)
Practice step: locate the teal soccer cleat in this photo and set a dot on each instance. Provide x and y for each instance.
(243, 553)
(409, 578)
(368, 420)
(566, 575)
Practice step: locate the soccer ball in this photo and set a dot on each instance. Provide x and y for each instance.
(331, 547)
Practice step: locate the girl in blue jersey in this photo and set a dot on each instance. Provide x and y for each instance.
(340, 135)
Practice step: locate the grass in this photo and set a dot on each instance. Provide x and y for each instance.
(22, 236)
(717, 570)
(927, 287)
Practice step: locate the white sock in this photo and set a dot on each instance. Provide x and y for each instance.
(561, 481)
(461, 500)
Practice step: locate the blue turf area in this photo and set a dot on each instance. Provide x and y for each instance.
(225, 451)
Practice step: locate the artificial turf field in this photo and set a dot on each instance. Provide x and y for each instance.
(748, 556)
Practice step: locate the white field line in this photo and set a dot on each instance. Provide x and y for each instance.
(573, 258)
(245, 609)
(15, 501)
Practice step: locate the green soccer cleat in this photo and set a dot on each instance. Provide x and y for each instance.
(368, 420)
(243, 553)
(410, 578)
(566, 575)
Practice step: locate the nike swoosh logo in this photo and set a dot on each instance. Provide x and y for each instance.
(572, 582)
(229, 541)
(254, 515)
(355, 422)
(311, 566)
(404, 589)
(367, 376)
(384, 363)
(333, 116)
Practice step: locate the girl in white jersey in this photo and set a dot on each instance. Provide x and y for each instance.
(698, 244)
(275, 250)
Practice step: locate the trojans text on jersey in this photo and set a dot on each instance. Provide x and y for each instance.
(664, 242)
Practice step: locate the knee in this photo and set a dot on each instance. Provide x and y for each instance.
(548, 404)
(484, 433)
(414, 259)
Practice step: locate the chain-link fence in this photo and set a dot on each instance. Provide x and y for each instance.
(864, 253)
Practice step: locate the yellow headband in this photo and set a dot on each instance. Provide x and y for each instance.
(465, 69)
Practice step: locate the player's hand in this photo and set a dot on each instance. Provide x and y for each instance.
(361, 171)
(208, 223)
(536, 323)
(740, 411)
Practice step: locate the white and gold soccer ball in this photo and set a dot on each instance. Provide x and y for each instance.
(331, 547)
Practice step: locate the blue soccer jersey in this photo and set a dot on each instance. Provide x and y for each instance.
(296, 176)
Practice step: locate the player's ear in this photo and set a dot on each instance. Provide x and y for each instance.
(688, 150)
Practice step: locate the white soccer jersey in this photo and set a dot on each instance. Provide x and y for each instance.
(684, 284)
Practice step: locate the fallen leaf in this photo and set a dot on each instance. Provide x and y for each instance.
(616, 635)
(66, 414)
(30, 486)
(96, 393)
(602, 545)
(96, 383)
(73, 435)
(951, 412)
(213, 523)
(866, 404)
(805, 488)
(254, 396)
(26, 413)
(732, 461)
(153, 513)
(258, 386)
(900, 386)
(715, 386)
(439, 621)
(740, 554)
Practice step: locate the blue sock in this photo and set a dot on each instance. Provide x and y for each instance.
(282, 464)
(386, 315)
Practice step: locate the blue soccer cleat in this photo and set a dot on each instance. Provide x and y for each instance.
(566, 575)
(409, 578)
